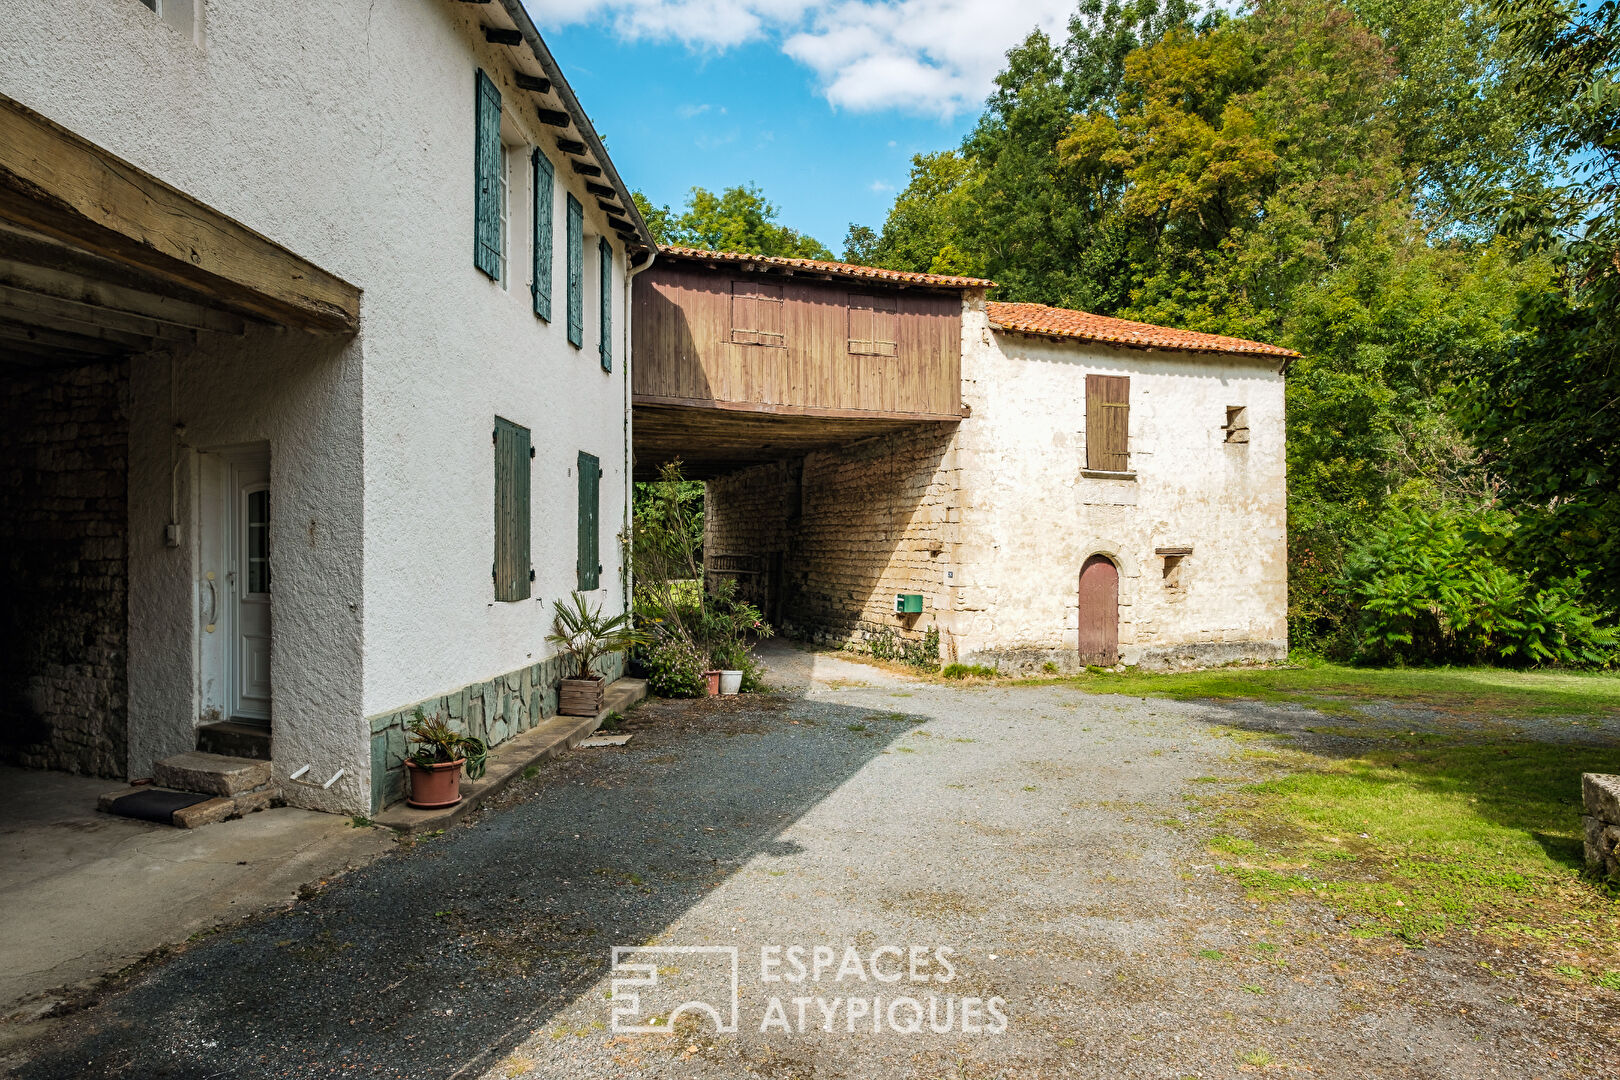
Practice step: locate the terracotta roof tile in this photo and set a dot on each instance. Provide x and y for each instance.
(838, 269)
(1084, 326)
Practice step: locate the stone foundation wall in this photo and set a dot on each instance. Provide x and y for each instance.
(64, 522)
(494, 711)
(838, 533)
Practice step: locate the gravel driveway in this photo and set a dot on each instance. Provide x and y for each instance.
(1035, 841)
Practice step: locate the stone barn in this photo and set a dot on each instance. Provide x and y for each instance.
(890, 455)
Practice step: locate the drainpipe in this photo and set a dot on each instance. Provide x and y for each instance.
(630, 273)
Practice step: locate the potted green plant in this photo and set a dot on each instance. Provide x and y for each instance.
(585, 635)
(441, 755)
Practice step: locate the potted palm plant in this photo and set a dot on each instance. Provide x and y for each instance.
(436, 766)
(585, 635)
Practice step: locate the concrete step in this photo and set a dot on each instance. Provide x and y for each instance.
(211, 774)
(507, 761)
(234, 739)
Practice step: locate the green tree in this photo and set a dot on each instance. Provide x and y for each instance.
(1547, 413)
(738, 219)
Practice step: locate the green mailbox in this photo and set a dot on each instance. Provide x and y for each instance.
(908, 603)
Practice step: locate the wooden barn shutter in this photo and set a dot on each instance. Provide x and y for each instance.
(576, 272)
(1108, 417)
(544, 190)
(605, 250)
(487, 177)
(756, 314)
(590, 496)
(873, 326)
(511, 511)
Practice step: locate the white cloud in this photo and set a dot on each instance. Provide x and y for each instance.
(687, 112)
(880, 186)
(929, 56)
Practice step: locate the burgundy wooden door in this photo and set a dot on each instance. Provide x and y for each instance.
(1099, 612)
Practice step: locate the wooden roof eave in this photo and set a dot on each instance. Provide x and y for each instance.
(582, 124)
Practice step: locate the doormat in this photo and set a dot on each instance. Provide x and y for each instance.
(155, 804)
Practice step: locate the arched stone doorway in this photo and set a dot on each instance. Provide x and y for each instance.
(1099, 611)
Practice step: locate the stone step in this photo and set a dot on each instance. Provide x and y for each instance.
(207, 812)
(234, 739)
(211, 774)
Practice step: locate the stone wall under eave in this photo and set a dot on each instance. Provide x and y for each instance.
(839, 532)
(64, 520)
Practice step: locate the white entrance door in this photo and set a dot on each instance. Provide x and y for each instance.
(236, 587)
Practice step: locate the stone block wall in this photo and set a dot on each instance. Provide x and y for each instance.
(1600, 798)
(64, 522)
(843, 530)
(494, 710)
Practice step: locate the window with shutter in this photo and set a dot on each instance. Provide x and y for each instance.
(544, 195)
(1108, 413)
(511, 570)
(488, 166)
(873, 326)
(756, 314)
(605, 251)
(576, 273)
(590, 497)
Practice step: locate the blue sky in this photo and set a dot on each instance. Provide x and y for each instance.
(821, 104)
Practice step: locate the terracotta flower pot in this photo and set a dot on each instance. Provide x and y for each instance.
(437, 785)
(581, 697)
(713, 679)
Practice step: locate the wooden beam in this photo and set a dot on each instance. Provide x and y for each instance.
(610, 207)
(525, 81)
(620, 225)
(89, 331)
(68, 285)
(41, 338)
(585, 168)
(554, 117)
(54, 182)
(707, 404)
(571, 146)
(500, 35)
(602, 190)
(18, 301)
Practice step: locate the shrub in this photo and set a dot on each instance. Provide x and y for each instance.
(967, 671)
(674, 668)
(924, 654)
(1436, 587)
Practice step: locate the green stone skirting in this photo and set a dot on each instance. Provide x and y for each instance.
(494, 710)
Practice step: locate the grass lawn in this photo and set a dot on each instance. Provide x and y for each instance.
(1336, 688)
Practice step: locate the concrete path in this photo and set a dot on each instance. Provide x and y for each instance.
(85, 893)
(1034, 845)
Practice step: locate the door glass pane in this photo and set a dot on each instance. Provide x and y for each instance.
(258, 541)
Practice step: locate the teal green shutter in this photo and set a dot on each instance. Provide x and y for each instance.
(544, 186)
(576, 272)
(511, 570)
(590, 516)
(487, 176)
(606, 251)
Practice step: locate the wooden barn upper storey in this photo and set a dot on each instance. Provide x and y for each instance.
(741, 359)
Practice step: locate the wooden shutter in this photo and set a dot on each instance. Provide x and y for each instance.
(545, 178)
(873, 326)
(511, 511)
(756, 314)
(590, 514)
(1108, 421)
(487, 178)
(605, 251)
(576, 272)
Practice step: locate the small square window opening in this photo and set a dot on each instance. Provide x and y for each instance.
(1237, 424)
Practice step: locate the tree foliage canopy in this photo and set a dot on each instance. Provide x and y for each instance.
(738, 219)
